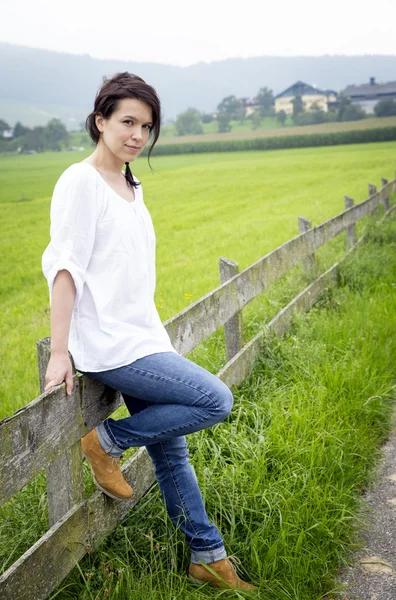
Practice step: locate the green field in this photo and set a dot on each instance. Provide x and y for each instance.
(282, 476)
(237, 205)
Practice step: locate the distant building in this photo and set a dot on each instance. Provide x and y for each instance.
(8, 133)
(367, 95)
(310, 95)
(249, 106)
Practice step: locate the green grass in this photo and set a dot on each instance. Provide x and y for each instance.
(282, 476)
(237, 205)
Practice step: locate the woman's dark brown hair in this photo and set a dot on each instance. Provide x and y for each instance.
(120, 86)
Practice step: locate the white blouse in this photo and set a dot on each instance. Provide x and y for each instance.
(108, 246)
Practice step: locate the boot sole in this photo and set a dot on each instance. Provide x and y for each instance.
(195, 580)
(227, 586)
(102, 489)
(202, 582)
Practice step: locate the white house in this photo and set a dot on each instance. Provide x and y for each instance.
(8, 133)
(310, 95)
(367, 95)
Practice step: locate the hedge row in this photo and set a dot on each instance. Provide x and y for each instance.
(364, 136)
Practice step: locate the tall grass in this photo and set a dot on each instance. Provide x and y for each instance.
(282, 476)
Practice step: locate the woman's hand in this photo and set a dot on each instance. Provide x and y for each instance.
(59, 369)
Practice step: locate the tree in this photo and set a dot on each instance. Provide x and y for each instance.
(3, 126)
(281, 117)
(298, 106)
(230, 106)
(313, 117)
(56, 133)
(353, 112)
(343, 103)
(189, 122)
(241, 112)
(85, 140)
(223, 122)
(265, 100)
(331, 116)
(385, 108)
(256, 119)
(20, 129)
(207, 118)
(34, 139)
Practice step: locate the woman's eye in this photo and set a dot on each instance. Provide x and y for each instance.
(149, 127)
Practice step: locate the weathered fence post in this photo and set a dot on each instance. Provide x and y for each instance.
(372, 189)
(65, 484)
(350, 231)
(386, 200)
(233, 328)
(309, 263)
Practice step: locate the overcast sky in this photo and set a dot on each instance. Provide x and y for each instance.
(179, 32)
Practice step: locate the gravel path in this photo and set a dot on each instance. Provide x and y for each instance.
(372, 574)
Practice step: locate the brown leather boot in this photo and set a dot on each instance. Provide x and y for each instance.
(220, 574)
(105, 468)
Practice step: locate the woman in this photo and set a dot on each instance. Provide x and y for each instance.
(100, 267)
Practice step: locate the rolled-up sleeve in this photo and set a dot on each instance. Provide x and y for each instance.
(74, 212)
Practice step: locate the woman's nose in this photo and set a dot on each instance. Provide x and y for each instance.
(137, 134)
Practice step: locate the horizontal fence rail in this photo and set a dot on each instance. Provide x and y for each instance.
(239, 367)
(35, 574)
(46, 433)
(194, 324)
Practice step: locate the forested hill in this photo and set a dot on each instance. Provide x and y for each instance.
(47, 83)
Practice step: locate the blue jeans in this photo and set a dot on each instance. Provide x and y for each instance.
(169, 396)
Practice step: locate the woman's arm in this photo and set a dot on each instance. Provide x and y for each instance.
(62, 301)
(75, 208)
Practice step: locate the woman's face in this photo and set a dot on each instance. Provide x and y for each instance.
(127, 131)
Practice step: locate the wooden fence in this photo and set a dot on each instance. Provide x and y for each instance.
(46, 433)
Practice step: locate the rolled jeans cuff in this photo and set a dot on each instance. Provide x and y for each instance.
(107, 443)
(208, 556)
